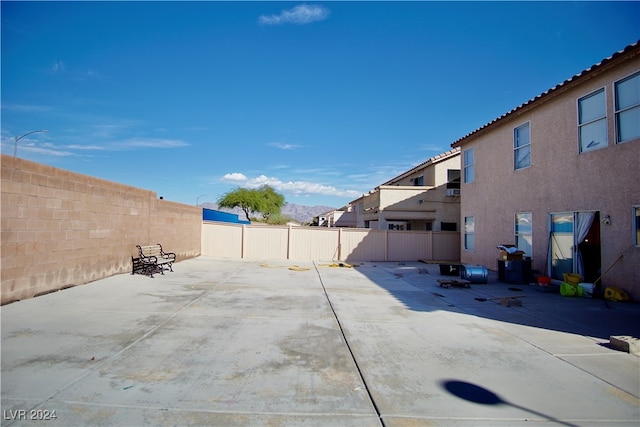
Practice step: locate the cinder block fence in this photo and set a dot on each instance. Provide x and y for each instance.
(61, 229)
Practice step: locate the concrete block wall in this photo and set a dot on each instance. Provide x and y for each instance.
(60, 228)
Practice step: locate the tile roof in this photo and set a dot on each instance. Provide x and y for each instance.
(431, 160)
(570, 81)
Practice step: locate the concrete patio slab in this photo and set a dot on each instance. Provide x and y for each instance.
(248, 343)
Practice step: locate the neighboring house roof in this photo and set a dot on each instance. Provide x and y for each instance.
(430, 161)
(631, 50)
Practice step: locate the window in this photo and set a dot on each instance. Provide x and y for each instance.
(636, 225)
(448, 226)
(396, 225)
(523, 232)
(592, 121)
(469, 233)
(453, 178)
(522, 147)
(468, 166)
(419, 181)
(628, 108)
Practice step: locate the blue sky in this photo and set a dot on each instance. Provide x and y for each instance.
(322, 100)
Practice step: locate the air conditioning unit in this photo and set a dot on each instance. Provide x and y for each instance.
(453, 192)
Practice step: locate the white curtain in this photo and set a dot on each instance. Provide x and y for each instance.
(582, 224)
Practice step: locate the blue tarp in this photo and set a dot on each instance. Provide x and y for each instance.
(213, 215)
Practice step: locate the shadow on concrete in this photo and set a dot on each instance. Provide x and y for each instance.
(477, 394)
(584, 316)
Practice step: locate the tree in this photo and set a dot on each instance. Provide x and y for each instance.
(264, 200)
(273, 201)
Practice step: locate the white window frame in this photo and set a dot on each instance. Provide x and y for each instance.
(618, 112)
(599, 119)
(520, 234)
(471, 219)
(469, 167)
(635, 224)
(517, 148)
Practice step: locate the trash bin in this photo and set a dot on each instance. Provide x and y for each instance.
(514, 271)
(474, 273)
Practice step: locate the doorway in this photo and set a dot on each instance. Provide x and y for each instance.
(575, 244)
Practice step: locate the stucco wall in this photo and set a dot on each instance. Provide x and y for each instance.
(61, 228)
(560, 179)
(434, 172)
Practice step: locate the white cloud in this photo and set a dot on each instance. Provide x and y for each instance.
(284, 146)
(154, 143)
(48, 152)
(57, 67)
(235, 176)
(36, 148)
(26, 108)
(433, 147)
(108, 131)
(300, 15)
(86, 147)
(127, 144)
(298, 188)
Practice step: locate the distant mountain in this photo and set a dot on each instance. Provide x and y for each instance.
(304, 213)
(300, 213)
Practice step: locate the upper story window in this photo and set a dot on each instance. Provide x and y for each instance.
(419, 181)
(453, 178)
(522, 146)
(628, 108)
(468, 166)
(592, 121)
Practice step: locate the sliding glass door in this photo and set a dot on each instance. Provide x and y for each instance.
(574, 245)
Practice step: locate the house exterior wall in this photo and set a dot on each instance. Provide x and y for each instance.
(560, 179)
(357, 206)
(415, 205)
(434, 173)
(399, 201)
(61, 228)
(347, 218)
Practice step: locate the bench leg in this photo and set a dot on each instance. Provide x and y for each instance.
(148, 270)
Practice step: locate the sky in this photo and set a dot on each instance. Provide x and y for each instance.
(323, 101)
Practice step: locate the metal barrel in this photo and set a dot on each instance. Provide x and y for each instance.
(474, 273)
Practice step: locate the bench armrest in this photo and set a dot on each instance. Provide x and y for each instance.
(164, 254)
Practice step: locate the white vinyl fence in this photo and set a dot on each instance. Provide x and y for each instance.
(318, 243)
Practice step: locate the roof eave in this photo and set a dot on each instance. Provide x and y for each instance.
(430, 161)
(628, 52)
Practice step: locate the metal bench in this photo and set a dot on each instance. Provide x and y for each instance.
(152, 259)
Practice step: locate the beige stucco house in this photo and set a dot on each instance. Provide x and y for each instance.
(343, 217)
(559, 176)
(426, 197)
